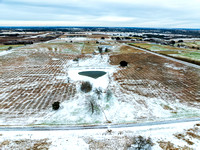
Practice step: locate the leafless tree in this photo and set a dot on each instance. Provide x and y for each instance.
(98, 91)
(92, 105)
(108, 94)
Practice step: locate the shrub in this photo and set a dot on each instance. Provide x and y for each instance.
(76, 59)
(56, 105)
(141, 143)
(172, 42)
(86, 87)
(10, 47)
(100, 49)
(123, 63)
(180, 41)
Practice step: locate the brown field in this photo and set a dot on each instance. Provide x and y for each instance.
(28, 83)
(89, 48)
(182, 84)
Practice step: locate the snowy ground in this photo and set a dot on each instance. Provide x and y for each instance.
(44, 74)
(162, 137)
(113, 109)
(5, 52)
(151, 88)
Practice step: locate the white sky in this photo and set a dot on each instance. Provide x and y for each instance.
(127, 13)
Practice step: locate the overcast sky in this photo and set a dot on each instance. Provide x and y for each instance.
(122, 13)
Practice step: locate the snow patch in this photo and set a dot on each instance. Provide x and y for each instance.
(5, 52)
(55, 59)
(96, 63)
(173, 66)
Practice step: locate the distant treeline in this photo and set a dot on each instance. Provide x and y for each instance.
(192, 32)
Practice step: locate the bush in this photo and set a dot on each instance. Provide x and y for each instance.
(10, 47)
(76, 59)
(141, 143)
(86, 87)
(56, 105)
(100, 49)
(123, 63)
(180, 41)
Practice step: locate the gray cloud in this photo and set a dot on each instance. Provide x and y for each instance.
(148, 13)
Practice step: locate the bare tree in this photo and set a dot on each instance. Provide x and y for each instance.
(98, 91)
(92, 105)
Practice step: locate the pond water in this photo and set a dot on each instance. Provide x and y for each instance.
(92, 74)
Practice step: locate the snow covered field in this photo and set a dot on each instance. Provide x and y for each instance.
(162, 137)
(150, 88)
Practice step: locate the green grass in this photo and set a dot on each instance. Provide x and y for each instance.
(168, 52)
(156, 47)
(5, 47)
(189, 54)
(190, 44)
(192, 55)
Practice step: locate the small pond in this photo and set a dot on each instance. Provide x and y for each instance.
(92, 74)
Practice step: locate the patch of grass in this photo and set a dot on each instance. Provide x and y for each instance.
(69, 48)
(166, 107)
(127, 49)
(5, 47)
(190, 43)
(185, 113)
(157, 47)
(193, 135)
(168, 52)
(27, 144)
(182, 137)
(185, 54)
(170, 146)
(191, 55)
(89, 48)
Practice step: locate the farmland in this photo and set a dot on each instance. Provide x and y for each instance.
(187, 54)
(35, 76)
(151, 88)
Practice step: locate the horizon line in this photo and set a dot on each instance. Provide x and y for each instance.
(53, 26)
